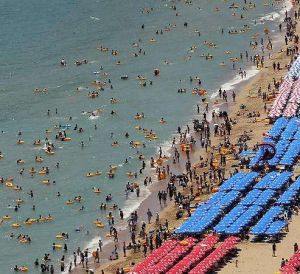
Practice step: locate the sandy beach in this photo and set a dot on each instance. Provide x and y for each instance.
(249, 252)
(126, 127)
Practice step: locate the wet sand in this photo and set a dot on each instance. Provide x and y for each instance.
(249, 252)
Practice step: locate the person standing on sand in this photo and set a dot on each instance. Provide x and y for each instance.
(97, 256)
(121, 215)
(100, 244)
(295, 247)
(149, 215)
(274, 249)
(124, 249)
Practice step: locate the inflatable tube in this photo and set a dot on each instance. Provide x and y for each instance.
(141, 77)
(6, 217)
(15, 225)
(159, 162)
(28, 222)
(39, 160)
(42, 172)
(137, 143)
(67, 139)
(23, 268)
(69, 202)
(50, 152)
(58, 246)
(97, 191)
(20, 142)
(100, 225)
(90, 174)
(9, 184)
(60, 237)
(130, 174)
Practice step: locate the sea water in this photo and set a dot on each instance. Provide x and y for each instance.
(36, 35)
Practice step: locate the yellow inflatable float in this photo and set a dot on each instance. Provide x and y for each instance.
(90, 174)
(15, 225)
(39, 160)
(23, 268)
(109, 235)
(23, 241)
(42, 172)
(100, 225)
(138, 117)
(60, 237)
(20, 162)
(20, 142)
(130, 174)
(17, 188)
(9, 184)
(97, 190)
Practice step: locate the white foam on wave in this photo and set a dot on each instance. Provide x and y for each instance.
(269, 17)
(93, 117)
(275, 15)
(92, 245)
(230, 85)
(288, 6)
(94, 18)
(165, 147)
(133, 204)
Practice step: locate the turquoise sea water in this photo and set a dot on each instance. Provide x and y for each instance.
(35, 36)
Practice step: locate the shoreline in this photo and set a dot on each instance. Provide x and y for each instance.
(170, 208)
(240, 85)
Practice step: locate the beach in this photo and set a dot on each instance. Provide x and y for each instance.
(101, 143)
(248, 252)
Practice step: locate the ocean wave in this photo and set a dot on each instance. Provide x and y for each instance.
(94, 117)
(94, 18)
(133, 204)
(230, 85)
(269, 17)
(165, 146)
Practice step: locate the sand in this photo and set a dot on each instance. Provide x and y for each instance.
(252, 257)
